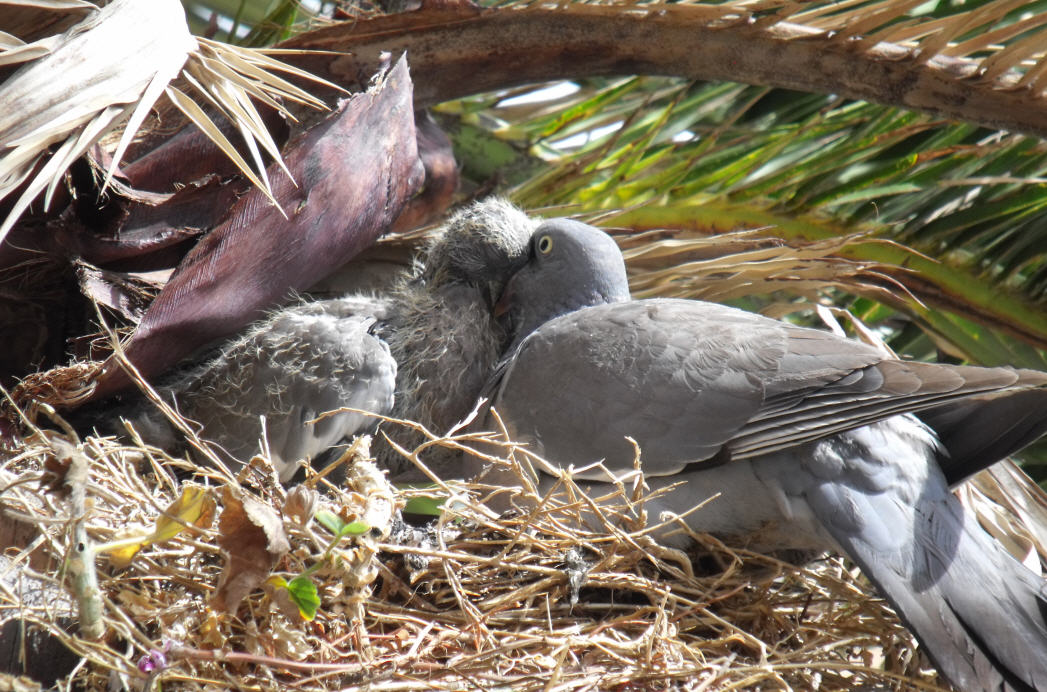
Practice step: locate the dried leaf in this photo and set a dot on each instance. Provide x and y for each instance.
(252, 538)
(207, 126)
(194, 507)
(301, 504)
(57, 464)
(27, 51)
(102, 72)
(119, 62)
(123, 293)
(356, 171)
(51, 4)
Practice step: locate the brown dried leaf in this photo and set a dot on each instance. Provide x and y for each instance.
(57, 465)
(301, 504)
(252, 538)
(122, 293)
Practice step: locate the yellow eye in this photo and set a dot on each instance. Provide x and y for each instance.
(545, 244)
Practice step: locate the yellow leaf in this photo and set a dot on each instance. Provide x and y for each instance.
(195, 507)
(121, 556)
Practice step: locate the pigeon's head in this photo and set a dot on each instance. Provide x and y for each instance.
(570, 265)
(481, 245)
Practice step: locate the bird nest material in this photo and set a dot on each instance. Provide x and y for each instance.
(473, 600)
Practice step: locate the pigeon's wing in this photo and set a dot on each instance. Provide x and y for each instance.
(697, 382)
(288, 370)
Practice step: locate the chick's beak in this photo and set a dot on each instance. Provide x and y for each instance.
(504, 302)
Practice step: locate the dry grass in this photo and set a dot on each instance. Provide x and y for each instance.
(525, 601)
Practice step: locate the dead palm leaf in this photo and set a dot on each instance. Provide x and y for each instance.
(111, 69)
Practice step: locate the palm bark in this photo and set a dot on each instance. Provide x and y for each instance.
(458, 49)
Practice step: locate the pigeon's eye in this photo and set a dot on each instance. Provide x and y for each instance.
(545, 244)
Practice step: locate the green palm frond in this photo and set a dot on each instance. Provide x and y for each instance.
(711, 157)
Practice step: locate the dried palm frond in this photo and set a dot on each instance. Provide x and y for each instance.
(14, 50)
(984, 65)
(109, 71)
(744, 263)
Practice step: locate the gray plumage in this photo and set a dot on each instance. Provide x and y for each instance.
(442, 332)
(812, 439)
(421, 352)
(282, 373)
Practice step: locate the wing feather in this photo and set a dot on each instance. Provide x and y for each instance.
(694, 381)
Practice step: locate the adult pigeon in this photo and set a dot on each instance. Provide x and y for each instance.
(809, 438)
(421, 352)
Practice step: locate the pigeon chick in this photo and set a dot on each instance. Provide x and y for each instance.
(421, 352)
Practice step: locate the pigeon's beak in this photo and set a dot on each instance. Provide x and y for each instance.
(491, 291)
(504, 302)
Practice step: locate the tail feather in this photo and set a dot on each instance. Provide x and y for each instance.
(991, 617)
(982, 430)
(979, 613)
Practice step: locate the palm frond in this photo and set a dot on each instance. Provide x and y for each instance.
(879, 50)
(105, 81)
(706, 158)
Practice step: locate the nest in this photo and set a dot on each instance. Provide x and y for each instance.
(525, 600)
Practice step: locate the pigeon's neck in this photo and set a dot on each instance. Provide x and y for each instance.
(534, 313)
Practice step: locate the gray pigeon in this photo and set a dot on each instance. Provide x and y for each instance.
(281, 373)
(422, 352)
(812, 440)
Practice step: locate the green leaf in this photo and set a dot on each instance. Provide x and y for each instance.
(354, 528)
(330, 521)
(426, 505)
(303, 593)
